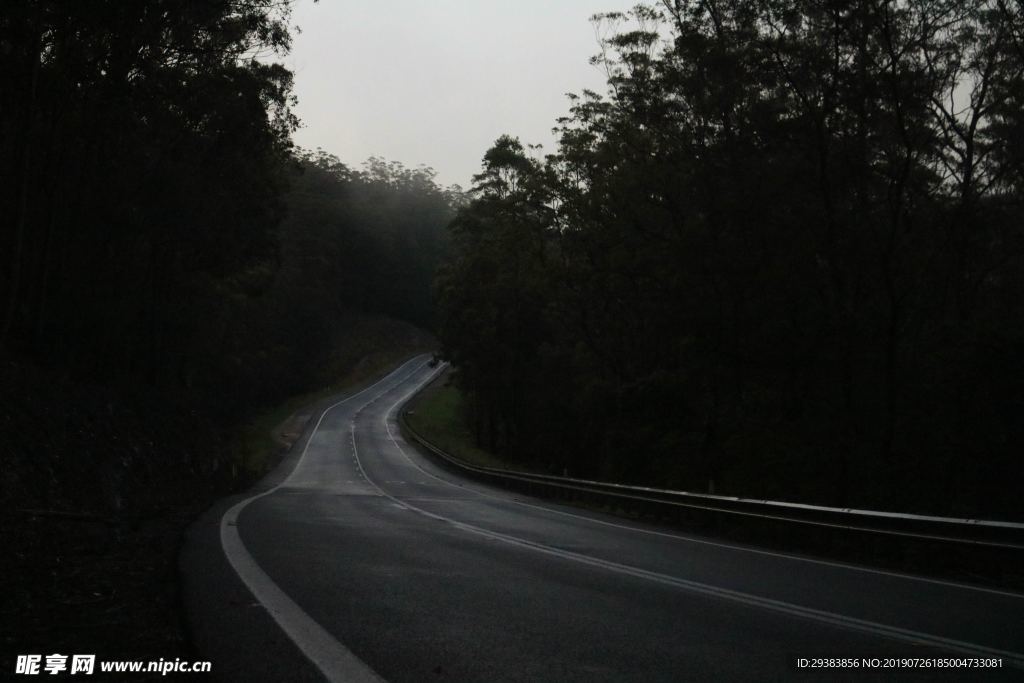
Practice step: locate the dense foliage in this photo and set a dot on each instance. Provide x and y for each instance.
(143, 163)
(782, 256)
(148, 234)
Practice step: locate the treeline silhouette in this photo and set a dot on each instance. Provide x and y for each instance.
(161, 236)
(781, 257)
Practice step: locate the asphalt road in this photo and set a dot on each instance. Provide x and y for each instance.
(358, 558)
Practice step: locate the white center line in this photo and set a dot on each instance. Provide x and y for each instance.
(337, 663)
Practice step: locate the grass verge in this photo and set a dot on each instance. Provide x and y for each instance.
(438, 413)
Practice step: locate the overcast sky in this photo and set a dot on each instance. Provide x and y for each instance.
(435, 82)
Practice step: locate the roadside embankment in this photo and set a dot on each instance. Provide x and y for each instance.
(99, 483)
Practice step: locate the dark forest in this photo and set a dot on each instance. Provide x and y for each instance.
(781, 258)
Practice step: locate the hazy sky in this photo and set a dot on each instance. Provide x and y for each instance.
(434, 82)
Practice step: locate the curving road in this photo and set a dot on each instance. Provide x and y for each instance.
(358, 559)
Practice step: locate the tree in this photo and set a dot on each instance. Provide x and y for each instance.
(492, 295)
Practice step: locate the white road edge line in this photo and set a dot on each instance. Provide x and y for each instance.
(335, 661)
(700, 541)
(842, 621)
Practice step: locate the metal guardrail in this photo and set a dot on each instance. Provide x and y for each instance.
(977, 532)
